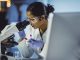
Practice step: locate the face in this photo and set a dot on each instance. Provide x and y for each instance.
(35, 21)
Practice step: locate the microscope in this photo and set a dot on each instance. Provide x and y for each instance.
(7, 35)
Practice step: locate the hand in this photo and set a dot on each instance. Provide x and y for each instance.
(36, 43)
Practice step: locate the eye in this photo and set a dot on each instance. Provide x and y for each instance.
(32, 19)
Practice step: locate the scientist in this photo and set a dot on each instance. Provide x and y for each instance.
(37, 15)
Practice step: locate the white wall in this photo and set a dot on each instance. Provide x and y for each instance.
(66, 5)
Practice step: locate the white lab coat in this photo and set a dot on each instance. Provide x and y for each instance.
(23, 46)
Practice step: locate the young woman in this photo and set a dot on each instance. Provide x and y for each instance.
(37, 14)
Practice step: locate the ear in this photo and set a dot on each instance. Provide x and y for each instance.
(42, 17)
